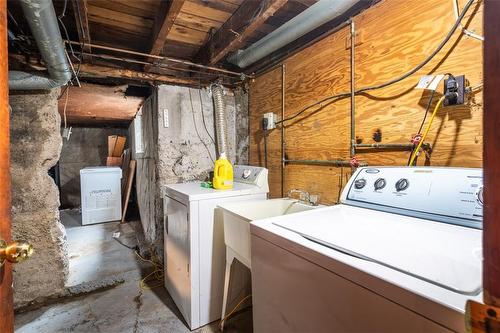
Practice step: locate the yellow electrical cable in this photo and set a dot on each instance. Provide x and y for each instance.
(223, 320)
(157, 272)
(427, 129)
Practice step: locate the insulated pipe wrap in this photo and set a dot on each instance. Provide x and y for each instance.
(311, 18)
(42, 20)
(220, 119)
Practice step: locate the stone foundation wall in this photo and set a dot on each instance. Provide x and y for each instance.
(35, 148)
(181, 148)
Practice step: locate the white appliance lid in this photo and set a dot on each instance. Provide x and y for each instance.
(446, 255)
(100, 169)
(194, 190)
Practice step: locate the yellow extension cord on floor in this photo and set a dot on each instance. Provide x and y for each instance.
(415, 152)
(157, 273)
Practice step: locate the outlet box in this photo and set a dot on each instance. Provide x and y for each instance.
(455, 89)
(271, 120)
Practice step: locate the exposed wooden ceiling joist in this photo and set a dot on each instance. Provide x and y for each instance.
(112, 72)
(93, 104)
(82, 25)
(102, 71)
(169, 10)
(250, 16)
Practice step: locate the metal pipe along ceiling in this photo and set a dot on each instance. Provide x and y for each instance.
(313, 17)
(42, 20)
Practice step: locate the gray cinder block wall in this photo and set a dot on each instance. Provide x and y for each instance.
(86, 147)
(35, 148)
(177, 133)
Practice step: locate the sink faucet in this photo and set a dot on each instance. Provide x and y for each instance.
(304, 196)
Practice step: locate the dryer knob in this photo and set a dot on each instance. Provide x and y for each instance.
(379, 184)
(480, 196)
(402, 184)
(246, 173)
(360, 183)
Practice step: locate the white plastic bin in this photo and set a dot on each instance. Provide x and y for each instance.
(101, 194)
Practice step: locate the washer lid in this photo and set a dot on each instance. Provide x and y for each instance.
(445, 255)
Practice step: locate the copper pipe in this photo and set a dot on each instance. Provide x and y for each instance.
(353, 91)
(159, 65)
(6, 299)
(179, 61)
(283, 90)
(398, 146)
(338, 163)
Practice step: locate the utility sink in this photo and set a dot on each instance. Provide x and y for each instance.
(238, 215)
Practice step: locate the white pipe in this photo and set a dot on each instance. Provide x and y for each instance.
(318, 14)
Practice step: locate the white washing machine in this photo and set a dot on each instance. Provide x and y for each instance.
(402, 253)
(195, 256)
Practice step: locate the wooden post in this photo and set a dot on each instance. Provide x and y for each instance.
(6, 302)
(491, 125)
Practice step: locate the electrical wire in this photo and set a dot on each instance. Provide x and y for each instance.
(203, 114)
(157, 273)
(65, 105)
(465, 31)
(223, 320)
(427, 129)
(398, 79)
(196, 127)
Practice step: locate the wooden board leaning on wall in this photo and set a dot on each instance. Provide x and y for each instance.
(391, 38)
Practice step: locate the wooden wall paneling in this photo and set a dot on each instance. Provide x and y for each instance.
(266, 97)
(310, 75)
(392, 38)
(397, 110)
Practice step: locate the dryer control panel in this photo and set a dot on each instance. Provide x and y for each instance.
(451, 195)
(252, 175)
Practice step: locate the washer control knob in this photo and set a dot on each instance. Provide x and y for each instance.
(379, 184)
(402, 184)
(480, 196)
(360, 183)
(246, 173)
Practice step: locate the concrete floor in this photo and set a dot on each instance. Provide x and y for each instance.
(124, 308)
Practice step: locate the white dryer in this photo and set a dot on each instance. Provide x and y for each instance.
(401, 253)
(195, 256)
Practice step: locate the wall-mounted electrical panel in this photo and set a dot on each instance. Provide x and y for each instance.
(269, 121)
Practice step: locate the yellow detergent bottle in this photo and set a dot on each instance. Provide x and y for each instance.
(223, 174)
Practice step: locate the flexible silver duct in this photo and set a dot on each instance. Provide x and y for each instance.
(220, 119)
(42, 20)
(313, 17)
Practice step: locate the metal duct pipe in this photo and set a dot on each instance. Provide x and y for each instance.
(313, 17)
(42, 20)
(220, 119)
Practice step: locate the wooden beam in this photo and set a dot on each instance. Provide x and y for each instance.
(82, 25)
(113, 72)
(234, 32)
(98, 104)
(491, 151)
(163, 24)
